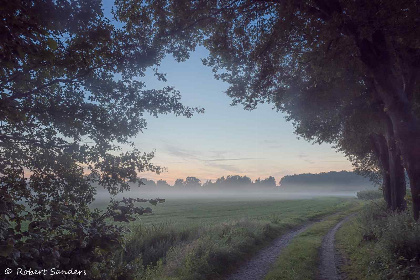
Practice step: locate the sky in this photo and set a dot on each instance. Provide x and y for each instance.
(225, 140)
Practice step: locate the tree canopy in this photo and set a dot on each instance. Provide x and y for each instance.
(71, 94)
(366, 52)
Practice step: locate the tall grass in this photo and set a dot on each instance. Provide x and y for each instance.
(168, 252)
(385, 243)
(209, 251)
(370, 194)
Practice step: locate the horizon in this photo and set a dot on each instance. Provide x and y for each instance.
(254, 181)
(262, 178)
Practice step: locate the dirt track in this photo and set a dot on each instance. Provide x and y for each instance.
(330, 259)
(257, 267)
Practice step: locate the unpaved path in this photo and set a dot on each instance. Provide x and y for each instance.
(257, 267)
(330, 259)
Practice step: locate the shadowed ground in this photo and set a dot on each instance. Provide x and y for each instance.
(330, 258)
(260, 264)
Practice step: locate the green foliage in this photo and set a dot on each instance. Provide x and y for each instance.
(224, 246)
(391, 241)
(151, 243)
(370, 195)
(70, 95)
(359, 256)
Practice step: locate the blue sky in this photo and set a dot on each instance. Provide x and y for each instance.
(225, 140)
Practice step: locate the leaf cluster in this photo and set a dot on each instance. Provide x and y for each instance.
(70, 96)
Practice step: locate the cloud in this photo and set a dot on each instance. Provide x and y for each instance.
(221, 153)
(181, 153)
(266, 141)
(230, 159)
(194, 155)
(226, 167)
(191, 155)
(272, 144)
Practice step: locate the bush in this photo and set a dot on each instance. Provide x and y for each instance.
(396, 239)
(220, 248)
(369, 195)
(165, 251)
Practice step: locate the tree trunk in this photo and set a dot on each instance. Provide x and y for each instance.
(381, 150)
(376, 55)
(409, 143)
(395, 91)
(397, 175)
(406, 130)
(414, 177)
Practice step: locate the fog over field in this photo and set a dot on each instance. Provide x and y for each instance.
(298, 186)
(277, 193)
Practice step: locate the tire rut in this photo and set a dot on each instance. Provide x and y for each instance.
(330, 258)
(258, 266)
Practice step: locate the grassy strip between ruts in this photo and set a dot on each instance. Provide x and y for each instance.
(300, 260)
(197, 252)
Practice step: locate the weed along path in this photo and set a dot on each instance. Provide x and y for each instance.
(257, 267)
(330, 258)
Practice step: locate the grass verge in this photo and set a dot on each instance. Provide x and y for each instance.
(357, 258)
(380, 244)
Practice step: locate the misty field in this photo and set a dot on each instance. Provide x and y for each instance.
(196, 211)
(201, 211)
(206, 238)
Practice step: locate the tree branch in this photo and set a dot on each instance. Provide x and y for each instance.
(23, 140)
(19, 95)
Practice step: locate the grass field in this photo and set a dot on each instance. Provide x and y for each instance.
(205, 238)
(211, 211)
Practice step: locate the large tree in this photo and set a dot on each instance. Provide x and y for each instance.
(192, 182)
(262, 48)
(355, 124)
(70, 95)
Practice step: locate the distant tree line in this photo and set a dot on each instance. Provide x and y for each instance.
(341, 178)
(230, 181)
(332, 178)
